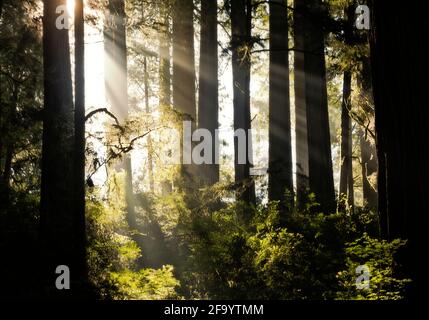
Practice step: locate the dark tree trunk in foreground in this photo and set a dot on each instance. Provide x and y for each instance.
(240, 24)
(280, 145)
(1, 128)
(1, 108)
(319, 142)
(61, 228)
(321, 181)
(116, 82)
(346, 193)
(79, 128)
(6, 149)
(208, 105)
(184, 73)
(402, 113)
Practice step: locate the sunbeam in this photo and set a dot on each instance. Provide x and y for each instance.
(70, 7)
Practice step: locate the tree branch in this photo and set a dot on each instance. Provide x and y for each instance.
(103, 110)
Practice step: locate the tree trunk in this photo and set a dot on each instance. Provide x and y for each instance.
(321, 181)
(369, 162)
(350, 179)
(280, 144)
(184, 75)
(208, 103)
(165, 57)
(61, 231)
(164, 71)
(402, 110)
(149, 139)
(301, 135)
(346, 174)
(116, 83)
(240, 18)
(3, 185)
(79, 128)
(1, 111)
(368, 167)
(1, 129)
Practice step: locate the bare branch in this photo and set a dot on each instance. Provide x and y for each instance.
(102, 110)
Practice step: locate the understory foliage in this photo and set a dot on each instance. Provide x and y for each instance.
(378, 256)
(230, 250)
(243, 252)
(113, 255)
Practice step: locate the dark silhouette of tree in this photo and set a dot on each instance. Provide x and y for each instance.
(79, 128)
(346, 192)
(241, 15)
(280, 144)
(61, 229)
(312, 94)
(301, 136)
(346, 174)
(368, 150)
(402, 110)
(208, 103)
(79, 131)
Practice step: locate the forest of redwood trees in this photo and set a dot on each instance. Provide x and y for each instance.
(204, 149)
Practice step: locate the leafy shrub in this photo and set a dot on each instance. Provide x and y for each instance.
(246, 252)
(378, 257)
(146, 284)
